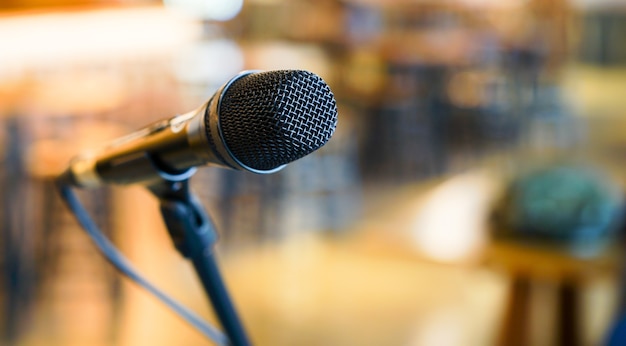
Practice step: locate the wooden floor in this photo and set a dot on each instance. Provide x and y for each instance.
(368, 286)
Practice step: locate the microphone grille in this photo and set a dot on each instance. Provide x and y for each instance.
(271, 118)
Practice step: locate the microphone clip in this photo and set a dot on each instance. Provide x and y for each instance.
(187, 222)
(194, 236)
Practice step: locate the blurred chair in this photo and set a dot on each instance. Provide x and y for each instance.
(18, 226)
(554, 225)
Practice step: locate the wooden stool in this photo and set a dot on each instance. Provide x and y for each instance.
(531, 264)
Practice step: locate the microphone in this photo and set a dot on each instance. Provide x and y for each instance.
(257, 122)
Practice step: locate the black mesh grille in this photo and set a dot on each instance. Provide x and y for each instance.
(271, 118)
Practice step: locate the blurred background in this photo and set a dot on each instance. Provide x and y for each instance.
(471, 195)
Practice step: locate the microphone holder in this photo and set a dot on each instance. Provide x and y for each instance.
(194, 236)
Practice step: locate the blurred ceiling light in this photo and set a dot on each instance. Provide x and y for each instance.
(97, 36)
(282, 55)
(451, 223)
(220, 10)
(209, 62)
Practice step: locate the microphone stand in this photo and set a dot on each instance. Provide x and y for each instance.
(194, 236)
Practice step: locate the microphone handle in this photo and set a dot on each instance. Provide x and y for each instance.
(166, 149)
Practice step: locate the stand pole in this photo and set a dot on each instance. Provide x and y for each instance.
(194, 237)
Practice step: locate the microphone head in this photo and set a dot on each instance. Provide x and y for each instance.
(269, 119)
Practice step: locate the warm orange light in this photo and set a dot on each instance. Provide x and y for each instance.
(91, 36)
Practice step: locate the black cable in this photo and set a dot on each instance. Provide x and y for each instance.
(121, 263)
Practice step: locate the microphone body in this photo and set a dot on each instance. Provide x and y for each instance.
(257, 122)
